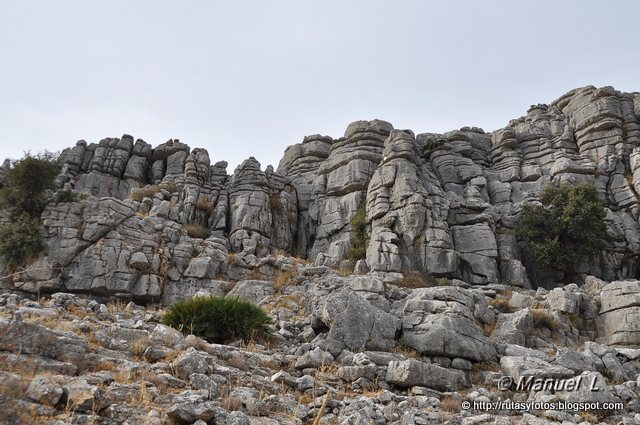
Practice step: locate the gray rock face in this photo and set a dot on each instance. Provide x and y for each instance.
(443, 204)
(45, 391)
(619, 320)
(252, 290)
(442, 322)
(410, 373)
(358, 324)
(514, 328)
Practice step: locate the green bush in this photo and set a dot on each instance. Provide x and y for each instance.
(359, 240)
(568, 226)
(20, 240)
(64, 195)
(25, 184)
(219, 319)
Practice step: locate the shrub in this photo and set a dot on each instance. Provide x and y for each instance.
(196, 230)
(20, 240)
(63, 196)
(568, 226)
(219, 319)
(25, 184)
(359, 240)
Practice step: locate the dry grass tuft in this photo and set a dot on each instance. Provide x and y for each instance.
(416, 280)
(502, 305)
(205, 204)
(489, 328)
(196, 230)
(450, 404)
(408, 352)
(139, 346)
(543, 319)
(284, 279)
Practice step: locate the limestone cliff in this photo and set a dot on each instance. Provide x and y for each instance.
(444, 204)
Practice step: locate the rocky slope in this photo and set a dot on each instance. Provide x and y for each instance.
(439, 311)
(361, 349)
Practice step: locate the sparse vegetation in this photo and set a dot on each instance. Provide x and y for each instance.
(502, 305)
(276, 204)
(26, 183)
(205, 204)
(148, 191)
(196, 230)
(64, 195)
(284, 279)
(24, 195)
(20, 240)
(543, 319)
(417, 280)
(359, 239)
(219, 319)
(568, 226)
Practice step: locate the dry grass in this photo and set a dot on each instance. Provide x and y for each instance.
(139, 346)
(502, 305)
(408, 352)
(146, 192)
(196, 230)
(289, 301)
(106, 366)
(276, 204)
(489, 328)
(486, 367)
(117, 306)
(416, 280)
(284, 279)
(450, 404)
(78, 311)
(543, 319)
(205, 204)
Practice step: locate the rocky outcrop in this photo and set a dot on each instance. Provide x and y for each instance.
(441, 204)
(335, 353)
(619, 320)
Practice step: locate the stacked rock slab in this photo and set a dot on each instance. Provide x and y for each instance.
(443, 204)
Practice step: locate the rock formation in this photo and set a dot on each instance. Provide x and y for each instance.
(426, 328)
(441, 204)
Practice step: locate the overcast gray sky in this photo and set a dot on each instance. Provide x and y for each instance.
(248, 78)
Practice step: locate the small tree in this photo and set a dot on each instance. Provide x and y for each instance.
(24, 195)
(20, 240)
(568, 226)
(25, 184)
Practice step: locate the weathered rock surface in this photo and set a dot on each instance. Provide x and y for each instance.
(442, 322)
(444, 204)
(332, 347)
(619, 320)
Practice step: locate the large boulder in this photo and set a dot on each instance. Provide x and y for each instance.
(442, 322)
(356, 323)
(411, 372)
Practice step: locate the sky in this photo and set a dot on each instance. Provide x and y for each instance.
(248, 78)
